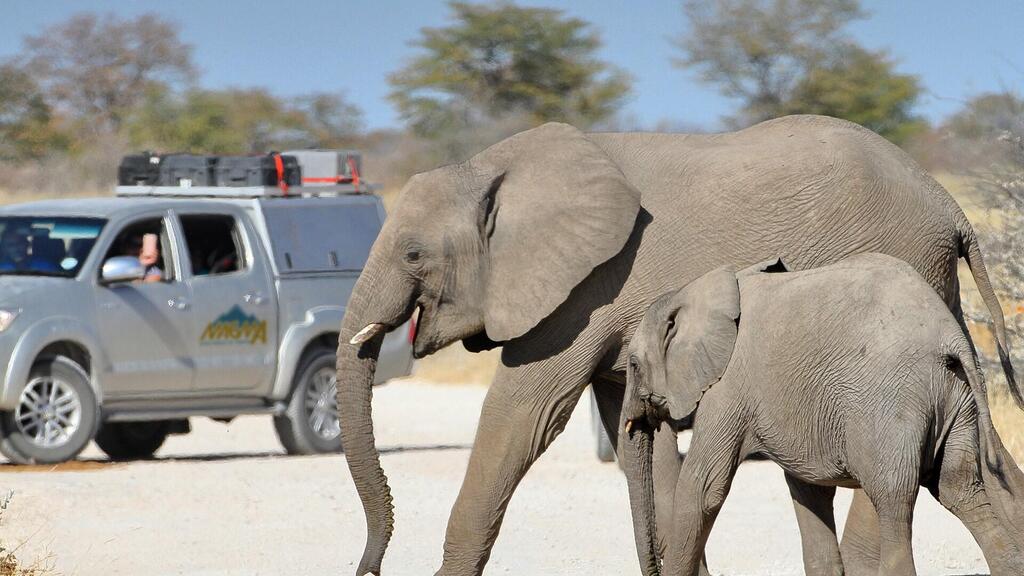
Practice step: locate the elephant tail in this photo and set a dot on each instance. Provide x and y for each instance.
(1003, 479)
(972, 255)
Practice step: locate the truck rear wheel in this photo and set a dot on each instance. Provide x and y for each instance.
(310, 423)
(55, 418)
(132, 440)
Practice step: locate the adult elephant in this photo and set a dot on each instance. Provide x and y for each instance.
(553, 242)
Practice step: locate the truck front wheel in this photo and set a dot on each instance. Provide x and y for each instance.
(310, 423)
(55, 418)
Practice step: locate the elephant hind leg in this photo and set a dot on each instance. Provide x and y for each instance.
(960, 488)
(893, 489)
(816, 518)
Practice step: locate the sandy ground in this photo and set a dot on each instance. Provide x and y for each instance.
(225, 500)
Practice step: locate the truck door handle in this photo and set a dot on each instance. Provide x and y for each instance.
(178, 303)
(254, 298)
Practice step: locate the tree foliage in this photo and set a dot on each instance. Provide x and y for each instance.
(793, 56)
(97, 69)
(988, 116)
(28, 129)
(862, 87)
(494, 61)
(240, 120)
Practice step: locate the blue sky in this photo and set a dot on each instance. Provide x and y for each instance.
(957, 48)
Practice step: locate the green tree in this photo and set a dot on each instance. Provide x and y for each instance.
(860, 86)
(330, 121)
(98, 69)
(28, 129)
(759, 50)
(495, 61)
(793, 56)
(240, 120)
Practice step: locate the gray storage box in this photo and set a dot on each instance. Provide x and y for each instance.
(329, 167)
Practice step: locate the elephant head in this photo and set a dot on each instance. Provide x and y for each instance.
(485, 250)
(680, 349)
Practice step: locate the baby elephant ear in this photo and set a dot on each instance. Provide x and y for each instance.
(705, 328)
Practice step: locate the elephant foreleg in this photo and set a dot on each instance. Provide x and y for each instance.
(525, 409)
(704, 481)
(667, 465)
(861, 544)
(816, 518)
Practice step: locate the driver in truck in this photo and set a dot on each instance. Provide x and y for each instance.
(147, 249)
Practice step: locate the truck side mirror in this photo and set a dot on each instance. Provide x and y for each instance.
(122, 269)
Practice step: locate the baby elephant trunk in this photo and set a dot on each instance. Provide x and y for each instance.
(636, 451)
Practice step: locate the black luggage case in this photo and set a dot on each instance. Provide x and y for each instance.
(139, 170)
(187, 170)
(269, 170)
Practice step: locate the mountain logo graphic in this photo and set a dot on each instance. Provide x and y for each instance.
(235, 327)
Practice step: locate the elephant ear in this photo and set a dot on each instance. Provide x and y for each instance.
(705, 328)
(554, 206)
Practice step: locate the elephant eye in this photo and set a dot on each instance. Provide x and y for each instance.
(412, 256)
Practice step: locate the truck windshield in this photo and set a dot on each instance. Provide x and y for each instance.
(46, 246)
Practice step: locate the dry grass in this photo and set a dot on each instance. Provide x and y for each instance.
(9, 564)
(1009, 421)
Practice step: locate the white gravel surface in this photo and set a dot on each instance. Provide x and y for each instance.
(226, 500)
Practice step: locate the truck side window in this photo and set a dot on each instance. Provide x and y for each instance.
(146, 240)
(214, 243)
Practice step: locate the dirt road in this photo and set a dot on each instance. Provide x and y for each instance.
(225, 500)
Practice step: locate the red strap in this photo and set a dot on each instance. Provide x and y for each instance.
(355, 172)
(281, 182)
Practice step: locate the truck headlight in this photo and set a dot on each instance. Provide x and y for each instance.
(6, 318)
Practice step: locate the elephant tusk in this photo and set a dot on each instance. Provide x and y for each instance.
(629, 426)
(367, 333)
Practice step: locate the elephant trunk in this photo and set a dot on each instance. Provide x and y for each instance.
(636, 451)
(357, 364)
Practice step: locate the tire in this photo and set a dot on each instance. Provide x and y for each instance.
(605, 450)
(132, 440)
(310, 423)
(56, 417)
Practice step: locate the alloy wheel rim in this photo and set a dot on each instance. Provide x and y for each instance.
(322, 404)
(49, 412)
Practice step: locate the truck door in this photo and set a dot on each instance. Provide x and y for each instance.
(146, 325)
(234, 303)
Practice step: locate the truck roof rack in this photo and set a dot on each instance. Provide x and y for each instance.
(246, 191)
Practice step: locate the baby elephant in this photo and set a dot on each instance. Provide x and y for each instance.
(854, 375)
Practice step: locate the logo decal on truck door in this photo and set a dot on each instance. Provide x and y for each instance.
(235, 327)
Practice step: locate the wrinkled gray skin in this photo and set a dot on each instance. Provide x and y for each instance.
(854, 374)
(553, 242)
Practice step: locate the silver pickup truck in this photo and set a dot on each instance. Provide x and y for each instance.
(122, 317)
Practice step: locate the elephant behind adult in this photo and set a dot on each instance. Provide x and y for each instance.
(553, 242)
